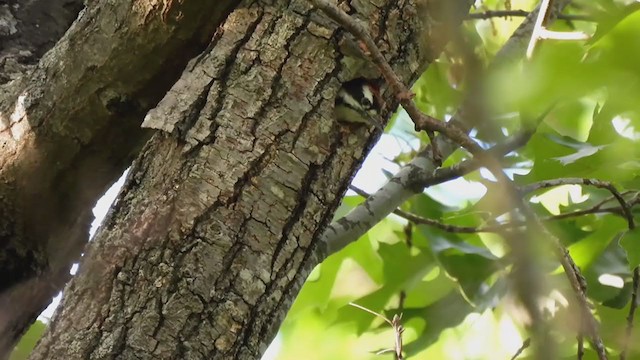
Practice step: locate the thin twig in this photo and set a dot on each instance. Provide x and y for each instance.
(397, 327)
(371, 312)
(462, 168)
(632, 311)
(595, 209)
(546, 34)
(417, 219)
(578, 285)
(580, 339)
(408, 232)
(540, 32)
(590, 182)
(401, 300)
(525, 344)
(538, 28)
(521, 13)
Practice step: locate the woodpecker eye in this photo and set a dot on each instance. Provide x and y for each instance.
(366, 103)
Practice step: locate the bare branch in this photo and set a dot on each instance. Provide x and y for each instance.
(411, 179)
(417, 219)
(521, 13)
(578, 285)
(525, 344)
(514, 48)
(580, 339)
(563, 35)
(538, 27)
(444, 174)
(540, 32)
(397, 327)
(632, 311)
(597, 208)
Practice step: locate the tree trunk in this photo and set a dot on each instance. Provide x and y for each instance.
(216, 228)
(70, 124)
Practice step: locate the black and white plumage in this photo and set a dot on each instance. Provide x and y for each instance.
(358, 101)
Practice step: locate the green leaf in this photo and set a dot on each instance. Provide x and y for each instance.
(433, 287)
(586, 250)
(630, 242)
(445, 313)
(584, 152)
(610, 18)
(621, 299)
(434, 95)
(613, 325)
(612, 262)
(423, 205)
(470, 265)
(404, 269)
(347, 204)
(572, 118)
(359, 259)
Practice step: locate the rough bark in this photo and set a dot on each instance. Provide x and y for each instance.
(71, 124)
(217, 225)
(28, 29)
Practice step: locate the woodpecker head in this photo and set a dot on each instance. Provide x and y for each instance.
(358, 101)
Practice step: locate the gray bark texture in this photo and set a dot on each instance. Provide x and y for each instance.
(217, 226)
(70, 124)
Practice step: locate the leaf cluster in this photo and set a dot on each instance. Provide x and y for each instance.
(455, 290)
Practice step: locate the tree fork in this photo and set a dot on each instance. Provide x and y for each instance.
(70, 125)
(215, 230)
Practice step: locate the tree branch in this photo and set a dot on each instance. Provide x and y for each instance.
(541, 32)
(522, 13)
(397, 327)
(632, 311)
(538, 27)
(412, 178)
(417, 219)
(525, 344)
(580, 339)
(71, 126)
(517, 44)
(578, 284)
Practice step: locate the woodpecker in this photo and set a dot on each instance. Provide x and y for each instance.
(358, 101)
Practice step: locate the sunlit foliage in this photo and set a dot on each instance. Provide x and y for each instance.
(453, 289)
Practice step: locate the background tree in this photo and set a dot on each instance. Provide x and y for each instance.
(71, 124)
(227, 208)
